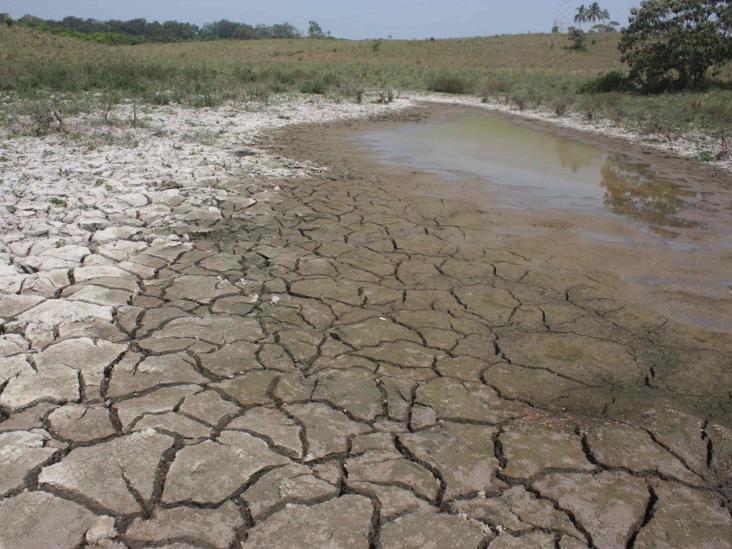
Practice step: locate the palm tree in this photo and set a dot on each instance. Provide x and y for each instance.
(581, 15)
(595, 13)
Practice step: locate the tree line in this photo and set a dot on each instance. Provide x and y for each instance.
(140, 30)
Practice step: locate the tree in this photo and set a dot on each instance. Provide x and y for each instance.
(315, 30)
(581, 15)
(245, 32)
(5, 19)
(674, 43)
(285, 30)
(591, 14)
(223, 28)
(595, 13)
(612, 26)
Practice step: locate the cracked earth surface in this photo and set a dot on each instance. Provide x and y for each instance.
(342, 363)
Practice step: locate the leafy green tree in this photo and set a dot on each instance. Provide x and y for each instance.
(315, 30)
(674, 43)
(245, 32)
(285, 30)
(5, 19)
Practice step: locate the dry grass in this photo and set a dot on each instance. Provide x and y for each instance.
(525, 70)
(542, 52)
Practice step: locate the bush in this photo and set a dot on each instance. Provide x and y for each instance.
(246, 73)
(609, 82)
(447, 82)
(497, 86)
(318, 86)
(672, 44)
(577, 39)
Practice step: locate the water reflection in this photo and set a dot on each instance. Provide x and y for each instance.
(534, 169)
(634, 191)
(571, 156)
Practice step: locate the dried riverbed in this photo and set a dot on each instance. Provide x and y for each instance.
(298, 346)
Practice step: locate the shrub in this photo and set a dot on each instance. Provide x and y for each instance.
(674, 43)
(609, 82)
(448, 82)
(246, 73)
(577, 39)
(561, 106)
(318, 86)
(205, 100)
(497, 86)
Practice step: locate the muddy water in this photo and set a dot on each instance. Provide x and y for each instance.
(667, 232)
(531, 168)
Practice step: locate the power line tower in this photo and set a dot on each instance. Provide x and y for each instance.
(564, 17)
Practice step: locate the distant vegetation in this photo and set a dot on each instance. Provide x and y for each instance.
(593, 14)
(524, 71)
(596, 16)
(138, 31)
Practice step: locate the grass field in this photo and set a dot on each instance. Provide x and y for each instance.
(524, 70)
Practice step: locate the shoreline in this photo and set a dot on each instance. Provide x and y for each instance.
(687, 146)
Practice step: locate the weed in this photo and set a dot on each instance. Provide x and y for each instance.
(724, 151)
(561, 107)
(386, 96)
(11, 209)
(705, 156)
(205, 100)
(110, 100)
(57, 202)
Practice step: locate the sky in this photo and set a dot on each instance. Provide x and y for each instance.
(354, 19)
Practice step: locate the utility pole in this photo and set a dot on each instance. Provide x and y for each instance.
(564, 17)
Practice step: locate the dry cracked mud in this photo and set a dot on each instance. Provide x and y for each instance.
(345, 363)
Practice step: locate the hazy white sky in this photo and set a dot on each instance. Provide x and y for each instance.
(345, 18)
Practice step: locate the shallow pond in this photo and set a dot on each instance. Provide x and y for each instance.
(536, 168)
(669, 235)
